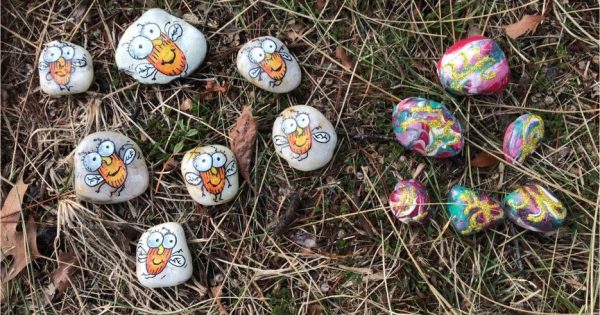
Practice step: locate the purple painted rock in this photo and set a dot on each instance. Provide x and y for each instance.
(471, 212)
(409, 201)
(534, 208)
(474, 65)
(522, 137)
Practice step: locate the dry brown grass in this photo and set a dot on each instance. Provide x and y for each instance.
(364, 262)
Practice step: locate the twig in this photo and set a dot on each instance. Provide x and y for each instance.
(287, 218)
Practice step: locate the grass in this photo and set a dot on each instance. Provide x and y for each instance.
(366, 262)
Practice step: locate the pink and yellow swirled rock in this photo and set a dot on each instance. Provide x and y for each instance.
(534, 208)
(409, 201)
(474, 65)
(522, 137)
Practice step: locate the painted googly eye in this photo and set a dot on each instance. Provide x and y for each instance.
(268, 46)
(169, 240)
(256, 55)
(155, 239)
(92, 162)
(68, 52)
(219, 159)
(203, 162)
(151, 31)
(140, 47)
(106, 148)
(289, 126)
(51, 54)
(302, 120)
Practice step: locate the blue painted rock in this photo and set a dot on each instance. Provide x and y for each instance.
(522, 137)
(409, 201)
(534, 208)
(427, 127)
(471, 212)
(475, 65)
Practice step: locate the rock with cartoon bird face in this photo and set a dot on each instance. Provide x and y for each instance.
(304, 138)
(163, 258)
(211, 174)
(109, 168)
(158, 48)
(268, 64)
(65, 68)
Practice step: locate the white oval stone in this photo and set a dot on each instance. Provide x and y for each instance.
(65, 68)
(211, 174)
(268, 64)
(163, 258)
(159, 47)
(109, 168)
(304, 137)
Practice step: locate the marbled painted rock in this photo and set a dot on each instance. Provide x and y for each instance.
(65, 68)
(268, 64)
(471, 212)
(109, 168)
(159, 47)
(522, 137)
(409, 201)
(427, 127)
(304, 137)
(474, 65)
(211, 174)
(534, 208)
(162, 257)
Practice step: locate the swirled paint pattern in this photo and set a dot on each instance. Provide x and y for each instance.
(522, 137)
(471, 212)
(474, 65)
(427, 127)
(409, 201)
(534, 208)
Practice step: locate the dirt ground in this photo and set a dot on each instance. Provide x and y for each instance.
(340, 251)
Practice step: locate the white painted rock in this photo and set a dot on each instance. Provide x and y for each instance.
(65, 68)
(109, 168)
(304, 137)
(211, 174)
(268, 64)
(163, 258)
(159, 47)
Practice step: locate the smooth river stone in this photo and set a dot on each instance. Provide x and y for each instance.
(159, 47)
(65, 68)
(409, 201)
(268, 64)
(427, 127)
(474, 65)
(534, 208)
(211, 174)
(162, 257)
(109, 168)
(471, 212)
(522, 137)
(304, 138)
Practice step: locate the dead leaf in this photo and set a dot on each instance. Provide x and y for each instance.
(214, 86)
(191, 18)
(484, 159)
(66, 266)
(243, 137)
(474, 30)
(527, 24)
(342, 55)
(186, 104)
(216, 292)
(21, 245)
(320, 5)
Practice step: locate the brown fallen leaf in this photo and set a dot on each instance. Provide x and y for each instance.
(216, 292)
(484, 159)
(214, 86)
(527, 24)
(186, 104)
(342, 55)
(243, 137)
(20, 245)
(66, 266)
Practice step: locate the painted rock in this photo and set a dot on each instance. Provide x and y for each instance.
(65, 68)
(409, 201)
(471, 212)
(268, 64)
(304, 138)
(534, 208)
(109, 168)
(427, 127)
(474, 65)
(522, 137)
(162, 257)
(211, 174)
(159, 47)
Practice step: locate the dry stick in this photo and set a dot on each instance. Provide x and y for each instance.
(287, 218)
(517, 249)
